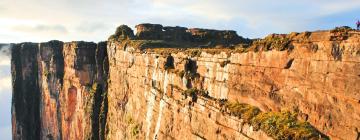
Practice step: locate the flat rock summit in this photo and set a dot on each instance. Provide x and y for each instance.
(189, 83)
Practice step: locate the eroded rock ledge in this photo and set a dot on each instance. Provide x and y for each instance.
(175, 83)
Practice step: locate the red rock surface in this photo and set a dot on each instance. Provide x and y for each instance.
(81, 90)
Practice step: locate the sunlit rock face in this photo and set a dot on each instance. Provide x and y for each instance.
(142, 90)
(134, 86)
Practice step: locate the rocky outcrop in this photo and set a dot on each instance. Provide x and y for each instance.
(194, 35)
(174, 83)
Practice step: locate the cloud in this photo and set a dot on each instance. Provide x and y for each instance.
(4, 57)
(91, 27)
(5, 84)
(41, 28)
(5, 75)
(95, 20)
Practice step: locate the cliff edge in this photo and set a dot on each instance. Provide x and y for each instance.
(176, 83)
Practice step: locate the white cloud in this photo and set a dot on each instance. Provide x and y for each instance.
(5, 84)
(5, 75)
(96, 20)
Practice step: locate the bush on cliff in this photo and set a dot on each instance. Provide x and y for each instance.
(279, 125)
(243, 111)
(122, 32)
(285, 126)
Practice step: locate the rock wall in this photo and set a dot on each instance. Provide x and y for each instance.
(146, 101)
(57, 90)
(315, 74)
(123, 89)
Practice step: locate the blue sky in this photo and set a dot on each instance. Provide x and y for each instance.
(95, 20)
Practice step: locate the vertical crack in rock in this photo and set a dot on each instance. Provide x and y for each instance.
(102, 63)
(289, 63)
(151, 95)
(336, 51)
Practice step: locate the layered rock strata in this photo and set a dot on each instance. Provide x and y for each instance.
(134, 86)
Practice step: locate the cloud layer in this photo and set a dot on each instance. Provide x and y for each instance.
(42, 20)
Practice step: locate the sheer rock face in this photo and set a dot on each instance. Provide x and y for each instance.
(143, 91)
(26, 97)
(314, 76)
(51, 90)
(112, 90)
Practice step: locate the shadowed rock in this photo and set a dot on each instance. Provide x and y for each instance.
(123, 32)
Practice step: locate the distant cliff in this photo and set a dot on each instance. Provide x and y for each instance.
(176, 83)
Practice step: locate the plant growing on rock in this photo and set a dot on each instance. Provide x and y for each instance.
(279, 125)
(244, 111)
(285, 126)
(134, 127)
(194, 93)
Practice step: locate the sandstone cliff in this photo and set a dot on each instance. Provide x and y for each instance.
(176, 83)
(54, 90)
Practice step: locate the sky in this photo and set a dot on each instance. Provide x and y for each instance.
(95, 20)
(5, 93)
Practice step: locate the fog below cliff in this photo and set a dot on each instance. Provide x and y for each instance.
(5, 92)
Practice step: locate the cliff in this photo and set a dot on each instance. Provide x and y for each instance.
(175, 83)
(54, 90)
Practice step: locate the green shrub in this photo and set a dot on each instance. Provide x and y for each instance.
(244, 111)
(134, 127)
(284, 125)
(135, 130)
(279, 125)
(196, 92)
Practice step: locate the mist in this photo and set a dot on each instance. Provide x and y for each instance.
(5, 91)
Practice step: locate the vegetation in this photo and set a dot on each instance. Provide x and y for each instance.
(89, 107)
(46, 73)
(279, 125)
(135, 130)
(194, 91)
(103, 109)
(181, 73)
(134, 127)
(90, 98)
(285, 126)
(341, 29)
(244, 111)
(275, 41)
